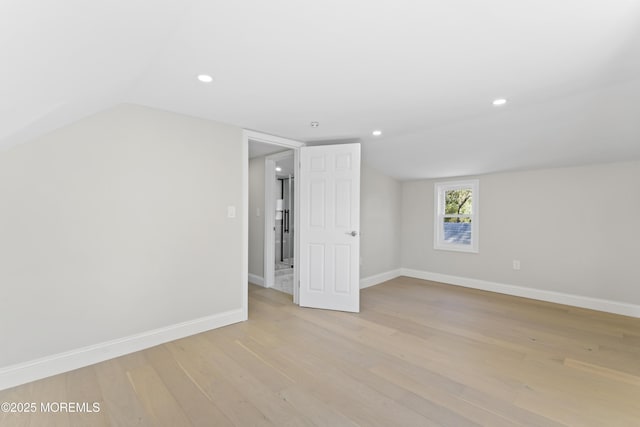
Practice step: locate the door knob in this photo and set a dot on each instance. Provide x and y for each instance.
(352, 233)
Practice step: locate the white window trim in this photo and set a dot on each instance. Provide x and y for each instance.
(438, 228)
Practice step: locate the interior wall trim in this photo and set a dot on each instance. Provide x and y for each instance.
(608, 306)
(377, 279)
(256, 280)
(23, 373)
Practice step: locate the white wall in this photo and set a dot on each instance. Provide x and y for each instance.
(117, 225)
(380, 217)
(256, 223)
(575, 231)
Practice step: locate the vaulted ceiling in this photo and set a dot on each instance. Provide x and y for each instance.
(425, 73)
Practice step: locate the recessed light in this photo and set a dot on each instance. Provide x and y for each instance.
(499, 101)
(278, 169)
(205, 78)
(315, 124)
(376, 133)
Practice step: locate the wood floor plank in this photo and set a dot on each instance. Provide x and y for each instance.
(156, 398)
(232, 403)
(196, 404)
(121, 404)
(83, 387)
(275, 409)
(317, 411)
(603, 371)
(50, 392)
(8, 418)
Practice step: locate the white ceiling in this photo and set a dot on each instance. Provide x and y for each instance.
(424, 72)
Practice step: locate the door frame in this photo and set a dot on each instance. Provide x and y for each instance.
(249, 135)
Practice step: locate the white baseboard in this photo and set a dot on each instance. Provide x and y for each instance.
(379, 278)
(256, 280)
(22, 373)
(608, 306)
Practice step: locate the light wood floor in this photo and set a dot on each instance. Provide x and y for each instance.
(419, 354)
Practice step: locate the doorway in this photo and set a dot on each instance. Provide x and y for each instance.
(280, 221)
(284, 260)
(271, 197)
(328, 221)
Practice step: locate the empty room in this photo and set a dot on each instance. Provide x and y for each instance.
(293, 213)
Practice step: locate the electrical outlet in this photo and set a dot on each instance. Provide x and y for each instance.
(516, 264)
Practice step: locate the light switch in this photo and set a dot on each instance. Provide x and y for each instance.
(231, 211)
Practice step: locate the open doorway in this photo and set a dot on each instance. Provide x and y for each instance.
(284, 221)
(326, 222)
(271, 220)
(279, 196)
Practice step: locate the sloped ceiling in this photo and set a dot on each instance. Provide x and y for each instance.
(423, 72)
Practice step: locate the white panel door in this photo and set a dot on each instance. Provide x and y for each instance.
(329, 179)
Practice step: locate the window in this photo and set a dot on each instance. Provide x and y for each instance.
(456, 216)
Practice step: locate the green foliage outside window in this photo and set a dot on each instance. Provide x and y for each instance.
(458, 202)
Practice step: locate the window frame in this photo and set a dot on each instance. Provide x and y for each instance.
(440, 189)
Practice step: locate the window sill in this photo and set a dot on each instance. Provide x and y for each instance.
(456, 248)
